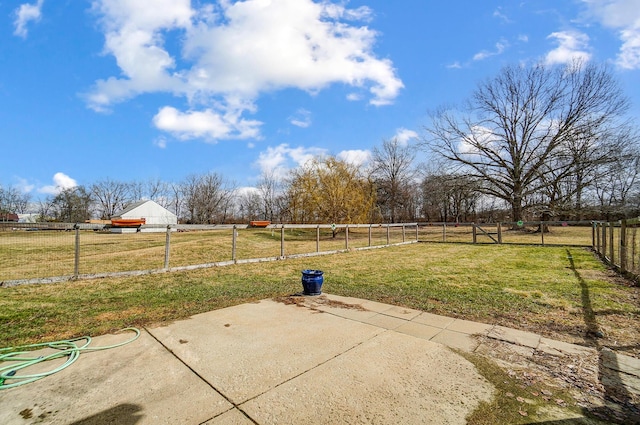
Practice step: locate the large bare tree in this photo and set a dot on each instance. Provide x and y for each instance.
(519, 126)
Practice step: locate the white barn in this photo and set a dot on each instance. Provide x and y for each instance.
(153, 213)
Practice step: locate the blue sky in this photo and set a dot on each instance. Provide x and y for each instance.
(162, 89)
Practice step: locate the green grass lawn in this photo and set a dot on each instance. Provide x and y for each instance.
(557, 291)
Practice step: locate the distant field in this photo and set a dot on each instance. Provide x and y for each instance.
(41, 254)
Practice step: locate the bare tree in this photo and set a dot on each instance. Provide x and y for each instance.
(111, 196)
(159, 192)
(249, 205)
(519, 124)
(72, 205)
(208, 198)
(45, 209)
(619, 185)
(394, 174)
(13, 201)
(269, 187)
(450, 197)
(153, 189)
(176, 195)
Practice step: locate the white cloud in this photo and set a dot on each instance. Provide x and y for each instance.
(231, 52)
(25, 14)
(281, 159)
(207, 124)
(247, 191)
(500, 48)
(403, 135)
(624, 17)
(24, 186)
(134, 35)
(302, 118)
(261, 45)
(60, 182)
(160, 142)
(357, 157)
(478, 136)
(629, 57)
(501, 16)
(572, 45)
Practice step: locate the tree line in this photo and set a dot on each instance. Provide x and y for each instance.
(531, 143)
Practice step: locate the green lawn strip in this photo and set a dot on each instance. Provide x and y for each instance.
(517, 286)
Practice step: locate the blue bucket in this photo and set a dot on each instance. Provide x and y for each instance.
(312, 282)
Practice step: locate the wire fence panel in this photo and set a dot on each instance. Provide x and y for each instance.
(618, 243)
(548, 233)
(252, 240)
(31, 253)
(57, 251)
(198, 247)
(432, 232)
(106, 252)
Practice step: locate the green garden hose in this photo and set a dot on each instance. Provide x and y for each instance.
(20, 359)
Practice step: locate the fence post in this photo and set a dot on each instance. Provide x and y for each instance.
(542, 232)
(76, 262)
(474, 233)
(403, 233)
(370, 234)
(633, 250)
(282, 241)
(596, 229)
(611, 245)
(318, 238)
(387, 234)
(167, 247)
(623, 245)
(346, 237)
(233, 243)
(417, 237)
(444, 231)
(499, 233)
(603, 230)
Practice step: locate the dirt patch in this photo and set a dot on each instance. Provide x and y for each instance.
(578, 375)
(314, 302)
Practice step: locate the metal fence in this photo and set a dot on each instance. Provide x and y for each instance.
(618, 243)
(43, 253)
(51, 252)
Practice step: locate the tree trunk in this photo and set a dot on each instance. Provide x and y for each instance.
(516, 210)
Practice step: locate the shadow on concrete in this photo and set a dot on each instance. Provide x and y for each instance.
(620, 407)
(123, 414)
